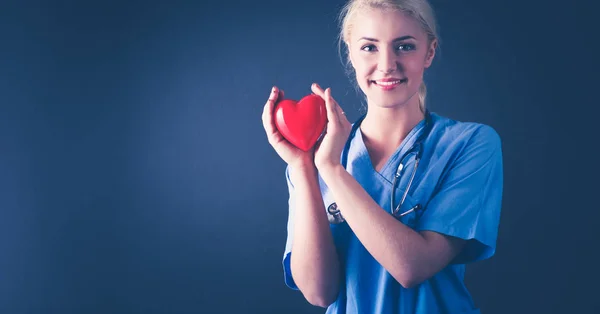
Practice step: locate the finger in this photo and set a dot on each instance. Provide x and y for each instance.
(329, 104)
(267, 116)
(318, 90)
(327, 97)
(268, 108)
(320, 140)
(338, 110)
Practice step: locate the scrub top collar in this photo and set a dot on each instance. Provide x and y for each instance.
(358, 149)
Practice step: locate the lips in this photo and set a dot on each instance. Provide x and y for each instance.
(389, 82)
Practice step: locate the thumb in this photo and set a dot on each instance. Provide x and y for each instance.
(321, 138)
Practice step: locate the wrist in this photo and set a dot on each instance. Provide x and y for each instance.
(303, 165)
(330, 172)
(303, 169)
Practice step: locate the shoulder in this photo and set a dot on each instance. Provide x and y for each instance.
(464, 145)
(465, 135)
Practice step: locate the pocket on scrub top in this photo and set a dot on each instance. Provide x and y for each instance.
(410, 212)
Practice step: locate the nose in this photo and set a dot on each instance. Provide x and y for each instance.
(387, 62)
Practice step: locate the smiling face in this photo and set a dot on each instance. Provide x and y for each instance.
(389, 52)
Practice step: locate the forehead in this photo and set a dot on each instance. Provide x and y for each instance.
(384, 25)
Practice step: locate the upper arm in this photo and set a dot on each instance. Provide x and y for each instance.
(441, 250)
(461, 219)
(287, 269)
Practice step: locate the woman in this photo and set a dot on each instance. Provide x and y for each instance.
(362, 239)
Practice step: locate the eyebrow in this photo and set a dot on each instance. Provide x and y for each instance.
(396, 39)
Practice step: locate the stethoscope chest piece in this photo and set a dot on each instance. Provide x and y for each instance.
(333, 214)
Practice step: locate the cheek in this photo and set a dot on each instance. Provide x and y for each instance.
(414, 67)
(363, 75)
(362, 68)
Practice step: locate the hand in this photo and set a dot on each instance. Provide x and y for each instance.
(329, 149)
(291, 154)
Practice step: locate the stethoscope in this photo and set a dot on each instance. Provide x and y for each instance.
(333, 212)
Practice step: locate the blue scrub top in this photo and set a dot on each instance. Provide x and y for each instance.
(459, 183)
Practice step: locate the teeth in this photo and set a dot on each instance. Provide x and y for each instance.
(387, 83)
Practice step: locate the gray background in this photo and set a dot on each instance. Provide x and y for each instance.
(135, 176)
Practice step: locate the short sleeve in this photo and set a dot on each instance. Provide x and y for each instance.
(287, 271)
(468, 200)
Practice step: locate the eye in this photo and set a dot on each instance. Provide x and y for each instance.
(401, 47)
(368, 48)
(406, 47)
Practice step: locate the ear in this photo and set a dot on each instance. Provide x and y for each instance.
(430, 53)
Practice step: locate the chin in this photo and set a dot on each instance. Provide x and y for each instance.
(389, 100)
(392, 99)
(386, 102)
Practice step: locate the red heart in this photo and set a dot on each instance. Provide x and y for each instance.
(302, 122)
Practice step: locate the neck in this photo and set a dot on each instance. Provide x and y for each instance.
(386, 128)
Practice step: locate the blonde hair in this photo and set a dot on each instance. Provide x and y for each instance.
(421, 10)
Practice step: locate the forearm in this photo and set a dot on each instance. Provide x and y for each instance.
(398, 248)
(314, 261)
